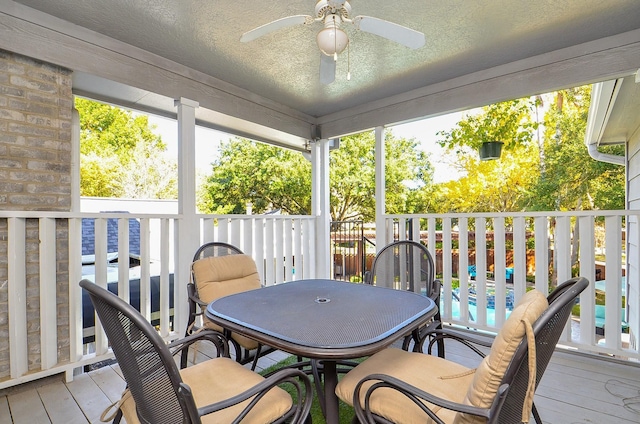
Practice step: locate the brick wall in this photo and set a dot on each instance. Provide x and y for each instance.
(35, 174)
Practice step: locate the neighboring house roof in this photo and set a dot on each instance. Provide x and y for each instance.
(88, 236)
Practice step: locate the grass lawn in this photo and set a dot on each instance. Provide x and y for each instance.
(346, 411)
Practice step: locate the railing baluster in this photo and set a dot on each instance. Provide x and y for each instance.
(48, 284)
(75, 292)
(562, 256)
(145, 271)
(123, 258)
(279, 250)
(446, 265)
(499, 270)
(519, 257)
(16, 296)
(463, 270)
(269, 253)
(481, 270)
(298, 268)
(247, 235)
(588, 270)
(259, 228)
(288, 249)
(208, 231)
(235, 233)
(309, 266)
(613, 285)
(164, 277)
(541, 235)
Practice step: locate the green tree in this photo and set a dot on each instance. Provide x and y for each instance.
(569, 178)
(586, 183)
(121, 156)
(491, 186)
(266, 176)
(497, 185)
(352, 175)
(273, 178)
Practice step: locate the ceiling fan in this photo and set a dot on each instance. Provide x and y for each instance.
(332, 40)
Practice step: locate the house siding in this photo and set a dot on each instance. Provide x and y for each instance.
(633, 237)
(36, 105)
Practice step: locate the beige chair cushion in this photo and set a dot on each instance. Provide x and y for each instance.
(219, 379)
(440, 377)
(219, 276)
(435, 375)
(489, 373)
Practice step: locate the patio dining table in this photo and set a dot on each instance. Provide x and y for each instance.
(324, 320)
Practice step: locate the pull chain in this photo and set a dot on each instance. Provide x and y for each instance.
(349, 61)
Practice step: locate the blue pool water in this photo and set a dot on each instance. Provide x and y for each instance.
(491, 313)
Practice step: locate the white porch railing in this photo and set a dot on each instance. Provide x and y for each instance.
(48, 331)
(537, 246)
(41, 305)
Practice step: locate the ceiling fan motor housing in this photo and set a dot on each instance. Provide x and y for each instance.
(330, 7)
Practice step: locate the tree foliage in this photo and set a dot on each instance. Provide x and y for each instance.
(273, 178)
(569, 178)
(266, 176)
(121, 156)
(509, 122)
(491, 186)
(556, 173)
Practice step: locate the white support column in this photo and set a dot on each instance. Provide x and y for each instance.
(320, 205)
(381, 233)
(188, 228)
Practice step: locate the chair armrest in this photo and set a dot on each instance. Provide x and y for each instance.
(445, 333)
(215, 337)
(294, 377)
(199, 302)
(413, 393)
(435, 294)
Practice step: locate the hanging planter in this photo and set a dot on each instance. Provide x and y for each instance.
(490, 150)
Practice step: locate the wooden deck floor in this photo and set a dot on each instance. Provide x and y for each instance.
(575, 389)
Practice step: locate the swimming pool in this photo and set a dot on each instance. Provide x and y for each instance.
(491, 301)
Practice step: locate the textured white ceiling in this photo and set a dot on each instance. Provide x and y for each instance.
(462, 36)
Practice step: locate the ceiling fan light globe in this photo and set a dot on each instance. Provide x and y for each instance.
(332, 41)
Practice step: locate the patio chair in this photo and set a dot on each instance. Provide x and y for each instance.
(218, 390)
(398, 386)
(220, 269)
(408, 265)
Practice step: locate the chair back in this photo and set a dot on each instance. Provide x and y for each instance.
(219, 276)
(547, 330)
(146, 363)
(215, 248)
(405, 265)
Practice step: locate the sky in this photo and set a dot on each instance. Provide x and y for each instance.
(424, 131)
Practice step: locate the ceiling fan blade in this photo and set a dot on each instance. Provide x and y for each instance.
(394, 32)
(265, 29)
(327, 69)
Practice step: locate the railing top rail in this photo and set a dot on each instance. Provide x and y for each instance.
(233, 216)
(626, 212)
(71, 215)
